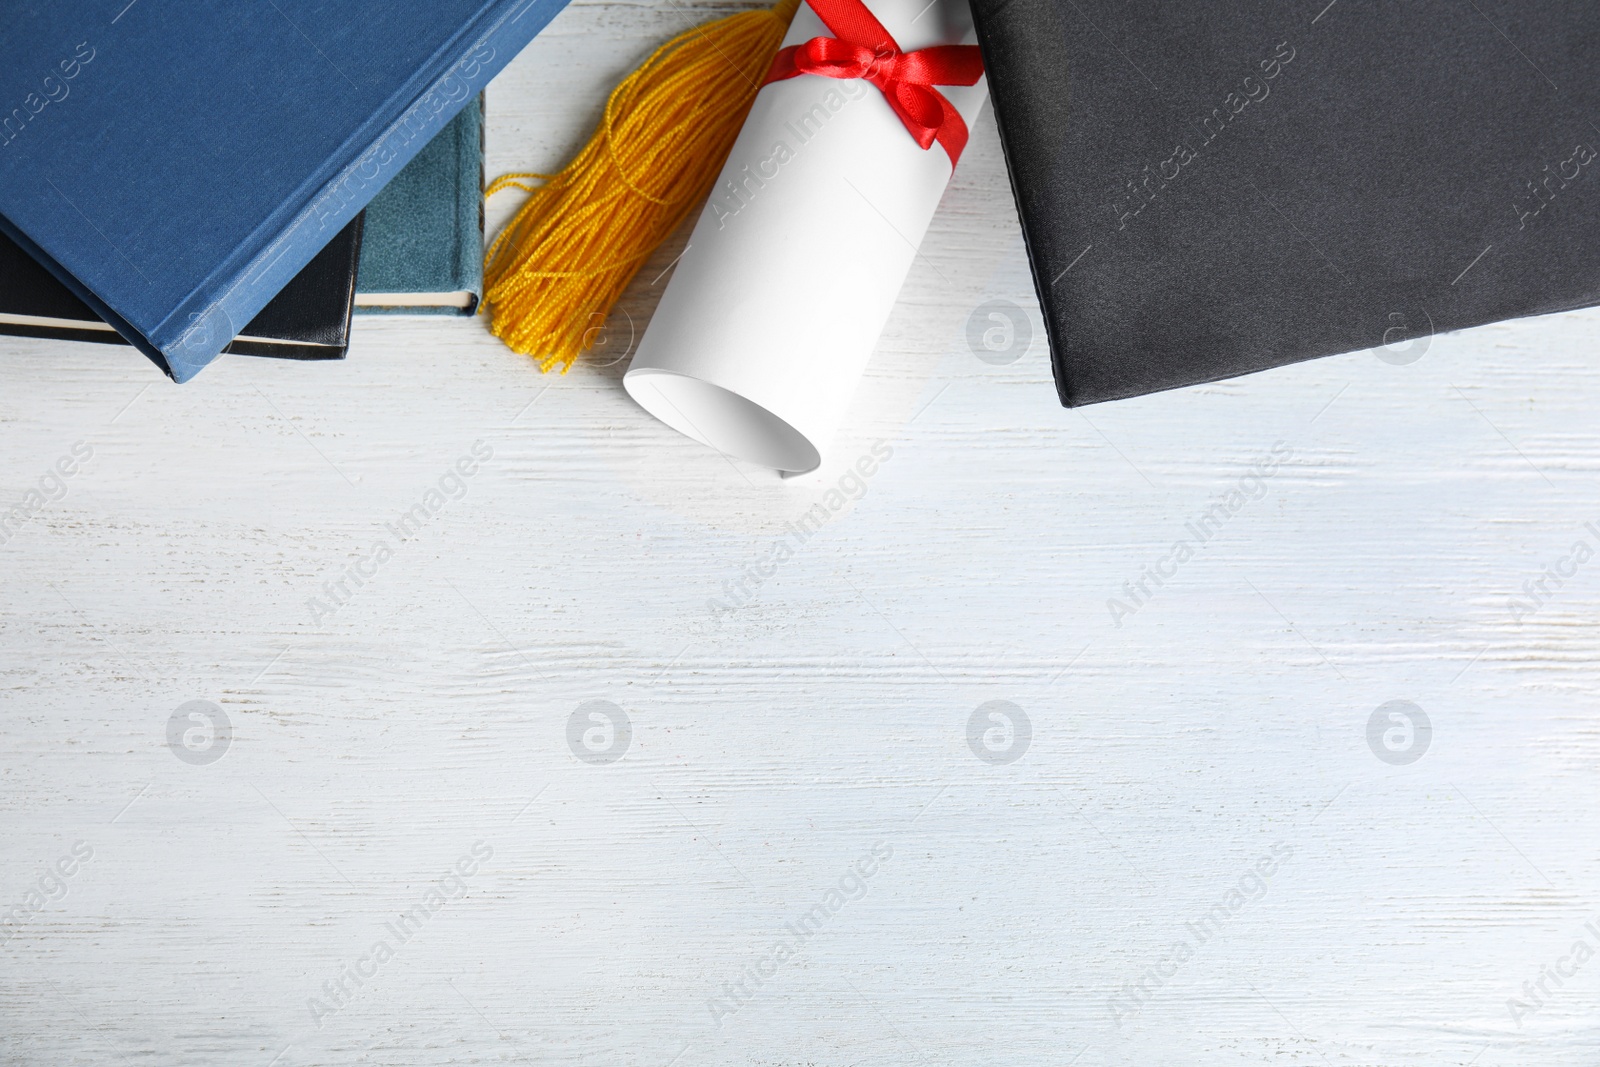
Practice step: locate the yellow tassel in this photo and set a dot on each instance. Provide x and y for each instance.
(555, 271)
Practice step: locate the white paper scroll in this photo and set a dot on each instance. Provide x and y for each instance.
(772, 312)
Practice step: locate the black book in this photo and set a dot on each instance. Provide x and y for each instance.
(308, 319)
(1208, 190)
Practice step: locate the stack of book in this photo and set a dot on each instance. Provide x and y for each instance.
(194, 178)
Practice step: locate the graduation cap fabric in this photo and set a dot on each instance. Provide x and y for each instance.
(1208, 190)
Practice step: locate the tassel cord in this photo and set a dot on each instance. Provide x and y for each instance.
(561, 264)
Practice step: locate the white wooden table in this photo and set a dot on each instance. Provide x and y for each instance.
(801, 770)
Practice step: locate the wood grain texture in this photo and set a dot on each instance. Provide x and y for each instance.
(775, 745)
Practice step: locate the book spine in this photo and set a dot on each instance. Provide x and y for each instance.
(470, 241)
(194, 335)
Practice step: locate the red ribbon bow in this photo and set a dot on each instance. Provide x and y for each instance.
(862, 48)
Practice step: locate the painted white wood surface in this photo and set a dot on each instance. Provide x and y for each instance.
(776, 745)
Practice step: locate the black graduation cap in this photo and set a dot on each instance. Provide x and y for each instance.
(1211, 189)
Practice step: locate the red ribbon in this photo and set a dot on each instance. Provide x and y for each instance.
(862, 48)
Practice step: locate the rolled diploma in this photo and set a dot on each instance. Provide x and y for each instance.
(794, 266)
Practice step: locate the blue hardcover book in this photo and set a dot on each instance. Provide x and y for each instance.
(177, 162)
(422, 246)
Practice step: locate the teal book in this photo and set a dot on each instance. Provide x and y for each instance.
(422, 248)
